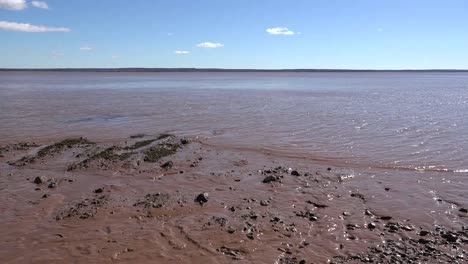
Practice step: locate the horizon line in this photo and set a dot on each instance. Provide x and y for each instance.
(183, 69)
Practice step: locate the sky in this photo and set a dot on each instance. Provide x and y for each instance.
(255, 34)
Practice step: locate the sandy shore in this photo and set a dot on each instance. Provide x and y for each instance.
(165, 199)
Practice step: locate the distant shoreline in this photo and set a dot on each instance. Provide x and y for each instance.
(212, 70)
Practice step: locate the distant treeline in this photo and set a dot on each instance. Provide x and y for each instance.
(214, 70)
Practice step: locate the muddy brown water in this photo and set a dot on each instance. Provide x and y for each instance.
(395, 139)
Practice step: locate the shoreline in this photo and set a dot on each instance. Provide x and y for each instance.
(169, 199)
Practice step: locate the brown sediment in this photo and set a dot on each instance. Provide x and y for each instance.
(322, 160)
(166, 200)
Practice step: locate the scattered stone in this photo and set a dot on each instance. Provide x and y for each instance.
(407, 228)
(450, 237)
(352, 226)
(202, 198)
(295, 173)
(270, 178)
(184, 141)
(368, 213)
(358, 195)
(87, 208)
(371, 226)
(159, 200)
(99, 190)
(234, 253)
(45, 195)
(317, 204)
(385, 218)
(167, 165)
(40, 179)
(52, 185)
(346, 213)
(424, 241)
(424, 233)
(264, 202)
(307, 214)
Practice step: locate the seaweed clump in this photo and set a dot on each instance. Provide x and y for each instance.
(60, 146)
(140, 135)
(141, 144)
(54, 148)
(155, 153)
(164, 135)
(107, 154)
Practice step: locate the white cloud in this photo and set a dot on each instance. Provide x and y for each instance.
(40, 4)
(114, 57)
(86, 48)
(23, 27)
(279, 31)
(56, 54)
(180, 52)
(13, 4)
(210, 45)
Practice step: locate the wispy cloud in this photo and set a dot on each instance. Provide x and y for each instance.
(40, 4)
(23, 27)
(56, 54)
(279, 31)
(115, 57)
(13, 4)
(210, 45)
(86, 48)
(181, 52)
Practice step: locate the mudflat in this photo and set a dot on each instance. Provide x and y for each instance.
(166, 199)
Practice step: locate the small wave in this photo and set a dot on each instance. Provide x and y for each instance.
(461, 171)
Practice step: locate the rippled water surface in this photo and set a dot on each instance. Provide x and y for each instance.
(390, 120)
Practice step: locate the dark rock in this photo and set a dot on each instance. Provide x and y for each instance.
(392, 227)
(295, 173)
(52, 185)
(463, 210)
(167, 165)
(184, 141)
(371, 226)
(45, 195)
(368, 213)
(386, 218)
(264, 202)
(424, 241)
(329, 169)
(99, 190)
(424, 233)
(358, 195)
(387, 189)
(317, 204)
(352, 226)
(202, 198)
(450, 237)
(270, 178)
(407, 228)
(40, 179)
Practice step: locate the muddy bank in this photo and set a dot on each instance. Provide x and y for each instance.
(166, 199)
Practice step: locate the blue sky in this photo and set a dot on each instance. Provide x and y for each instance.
(359, 34)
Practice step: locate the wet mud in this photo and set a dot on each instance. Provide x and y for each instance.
(167, 199)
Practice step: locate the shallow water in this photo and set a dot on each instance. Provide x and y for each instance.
(388, 120)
